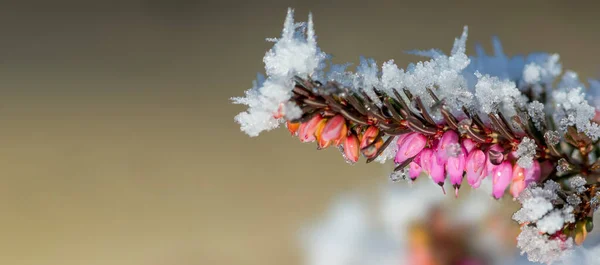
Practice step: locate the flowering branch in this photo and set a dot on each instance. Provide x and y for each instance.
(451, 117)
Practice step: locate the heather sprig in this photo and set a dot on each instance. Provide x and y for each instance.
(448, 118)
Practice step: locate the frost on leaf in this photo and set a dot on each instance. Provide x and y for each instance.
(526, 152)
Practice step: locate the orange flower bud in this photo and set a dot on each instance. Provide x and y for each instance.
(293, 127)
(307, 130)
(322, 144)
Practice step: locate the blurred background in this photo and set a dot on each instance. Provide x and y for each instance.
(118, 144)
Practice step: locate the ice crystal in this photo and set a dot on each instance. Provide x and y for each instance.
(540, 247)
(552, 137)
(535, 110)
(295, 53)
(577, 183)
(575, 111)
(526, 152)
(495, 94)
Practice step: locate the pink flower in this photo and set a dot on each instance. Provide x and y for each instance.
(518, 181)
(455, 166)
(475, 167)
(335, 129)
(414, 168)
(533, 173)
(501, 179)
(307, 130)
(522, 177)
(449, 140)
(469, 145)
(432, 166)
(410, 146)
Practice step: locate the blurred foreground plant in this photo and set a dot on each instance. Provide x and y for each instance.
(452, 117)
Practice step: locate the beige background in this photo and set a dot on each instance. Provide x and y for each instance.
(118, 144)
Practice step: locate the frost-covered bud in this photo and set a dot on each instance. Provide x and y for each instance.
(335, 129)
(432, 166)
(351, 148)
(307, 130)
(448, 141)
(410, 146)
(501, 179)
(475, 167)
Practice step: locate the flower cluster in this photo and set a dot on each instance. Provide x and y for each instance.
(451, 117)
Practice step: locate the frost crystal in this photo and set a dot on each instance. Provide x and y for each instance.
(399, 175)
(493, 93)
(526, 152)
(535, 110)
(454, 150)
(539, 247)
(577, 183)
(295, 53)
(575, 111)
(552, 137)
(540, 236)
(555, 220)
(573, 200)
(563, 166)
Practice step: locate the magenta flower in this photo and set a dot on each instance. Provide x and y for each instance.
(502, 175)
(455, 166)
(432, 166)
(446, 145)
(475, 167)
(409, 146)
(469, 145)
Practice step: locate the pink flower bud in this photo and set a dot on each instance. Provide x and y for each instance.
(449, 138)
(533, 173)
(415, 169)
(334, 129)
(411, 146)
(455, 166)
(475, 167)
(307, 130)
(351, 148)
(518, 181)
(522, 177)
(469, 145)
(489, 166)
(501, 179)
(432, 166)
